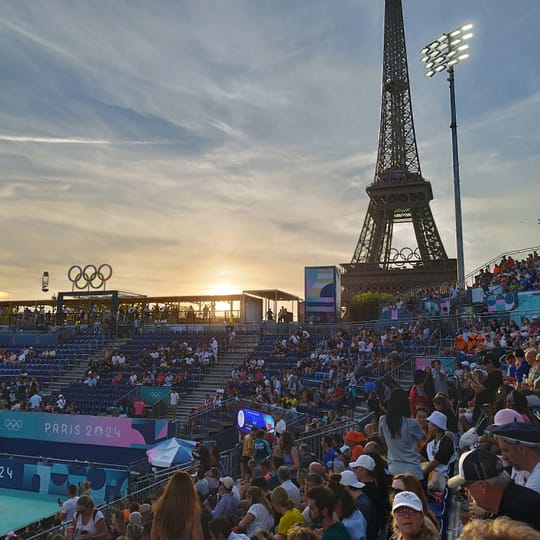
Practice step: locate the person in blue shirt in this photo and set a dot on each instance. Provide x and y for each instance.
(330, 453)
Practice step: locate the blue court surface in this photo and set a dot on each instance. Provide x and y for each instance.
(18, 508)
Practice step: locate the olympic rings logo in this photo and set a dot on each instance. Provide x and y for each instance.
(89, 276)
(13, 425)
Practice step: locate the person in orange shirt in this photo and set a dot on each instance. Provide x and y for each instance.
(355, 440)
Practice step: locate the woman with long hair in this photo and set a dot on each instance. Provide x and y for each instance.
(284, 507)
(353, 520)
(409, 482)
(517, 401)
(118, 525)
(288, 451)
(418, 396)
(177, 512)
(401, 432)
(88, 520)
(260, 514)
(442, 403)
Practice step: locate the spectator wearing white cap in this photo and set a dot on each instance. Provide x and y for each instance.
(409, 522)
(363, 502)
(440, 451)
(364, 468)
(228, 506)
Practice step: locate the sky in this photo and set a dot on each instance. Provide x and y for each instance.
(209, 147)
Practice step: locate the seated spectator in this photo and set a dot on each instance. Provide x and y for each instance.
(493, 489)
(409, 522)
(501, 528)
(220, 529)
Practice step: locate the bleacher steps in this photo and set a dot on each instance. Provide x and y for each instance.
(218, 375)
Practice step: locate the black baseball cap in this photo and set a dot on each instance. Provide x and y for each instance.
(476, 465)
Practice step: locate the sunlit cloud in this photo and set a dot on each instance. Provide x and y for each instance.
(177, 142)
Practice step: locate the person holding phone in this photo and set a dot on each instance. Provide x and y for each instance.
(89, 522)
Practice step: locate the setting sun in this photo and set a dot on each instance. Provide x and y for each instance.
(220, 289)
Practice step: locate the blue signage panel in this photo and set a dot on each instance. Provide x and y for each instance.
(81, 429)
(248, 418)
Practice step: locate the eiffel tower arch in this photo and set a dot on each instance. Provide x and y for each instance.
(399, 193)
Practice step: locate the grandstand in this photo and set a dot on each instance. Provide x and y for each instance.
(308, 363)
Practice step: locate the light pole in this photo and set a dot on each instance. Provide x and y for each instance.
(444, 53)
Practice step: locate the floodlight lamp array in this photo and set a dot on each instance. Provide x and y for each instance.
(446, 50)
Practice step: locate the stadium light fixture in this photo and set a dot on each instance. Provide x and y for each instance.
(443, 54)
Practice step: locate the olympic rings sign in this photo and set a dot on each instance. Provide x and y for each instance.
(89, 276)
(13, 425)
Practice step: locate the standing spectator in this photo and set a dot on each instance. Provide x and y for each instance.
(330, 453)
(173, 401)
(400, 433)
(484, 390)
(440, 377)
(69, 507)
(177, 513)
(247, 452)
(417, 393)
(139, 408)
(261, 447)
(288, 451)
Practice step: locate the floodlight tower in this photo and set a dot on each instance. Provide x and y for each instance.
(443, 54)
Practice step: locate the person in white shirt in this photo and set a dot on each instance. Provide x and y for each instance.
(281, 425)
(520, 446)
(69, 507)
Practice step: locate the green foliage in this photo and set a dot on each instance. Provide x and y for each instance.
(366, 306)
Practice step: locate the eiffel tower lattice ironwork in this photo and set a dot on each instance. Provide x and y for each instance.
(399, 193)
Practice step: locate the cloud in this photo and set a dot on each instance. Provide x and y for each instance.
(188, 144)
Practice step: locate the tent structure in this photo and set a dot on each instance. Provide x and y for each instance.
(171, 452)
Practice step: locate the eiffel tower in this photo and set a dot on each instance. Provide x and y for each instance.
(399, 193)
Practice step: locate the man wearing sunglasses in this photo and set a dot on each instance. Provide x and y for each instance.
(520, 446)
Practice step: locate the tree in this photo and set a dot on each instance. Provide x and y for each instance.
(366, 306)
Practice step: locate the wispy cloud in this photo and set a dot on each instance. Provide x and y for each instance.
(76, 140)
(193, 142)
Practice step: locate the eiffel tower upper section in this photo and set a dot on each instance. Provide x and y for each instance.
(399, 193)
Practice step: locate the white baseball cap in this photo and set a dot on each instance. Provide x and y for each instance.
(365, 461)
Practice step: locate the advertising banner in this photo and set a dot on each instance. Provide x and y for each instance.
(81, 429)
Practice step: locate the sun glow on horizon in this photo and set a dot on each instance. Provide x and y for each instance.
(221, 289)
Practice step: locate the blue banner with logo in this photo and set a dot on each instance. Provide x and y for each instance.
(81, 429)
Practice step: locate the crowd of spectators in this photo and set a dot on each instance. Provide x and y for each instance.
(512, 275)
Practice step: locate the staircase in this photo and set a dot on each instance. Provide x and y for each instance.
(78, 368)
(217, 375)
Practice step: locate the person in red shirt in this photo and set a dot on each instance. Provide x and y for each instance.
(338, 397)
(417, 394)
